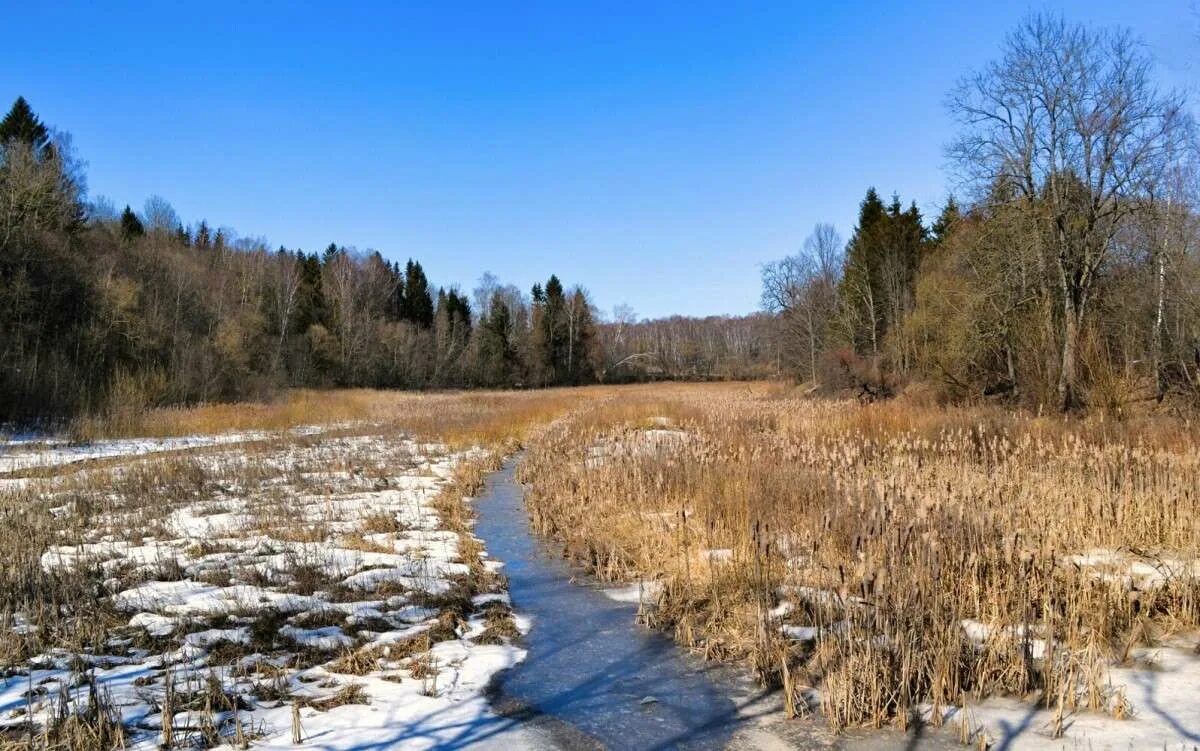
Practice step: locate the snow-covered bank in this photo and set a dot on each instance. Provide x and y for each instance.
(33, 453)
(312, 582)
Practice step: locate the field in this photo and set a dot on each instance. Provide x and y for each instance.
(235, 575)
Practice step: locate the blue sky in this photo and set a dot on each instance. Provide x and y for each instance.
(657, 153)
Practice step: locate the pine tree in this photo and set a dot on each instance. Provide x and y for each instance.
(131, 226)
(21, 124)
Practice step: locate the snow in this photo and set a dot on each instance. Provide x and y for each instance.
(233, 558)
(328, 638)
(1164, 701)
(637, 593)
(24, 454)
(1157, 691)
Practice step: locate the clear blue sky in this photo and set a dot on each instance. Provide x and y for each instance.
(656, 153)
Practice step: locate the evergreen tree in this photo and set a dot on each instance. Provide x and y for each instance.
(879, 278)
(310, 305)
(497, 358)
(580, 337)
(331, 252)
(418, 303)
(553, 338)
(21, 124)
(131, 226)
(945, 222)
(203, 239)
(395, 303)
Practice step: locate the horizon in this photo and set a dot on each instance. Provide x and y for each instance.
(656, 159)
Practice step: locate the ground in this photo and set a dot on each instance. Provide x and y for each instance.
(214, 587)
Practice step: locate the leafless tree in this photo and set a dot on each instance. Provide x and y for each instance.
(159, 215)
(282, 296)
(802, 291)
(1070, 124)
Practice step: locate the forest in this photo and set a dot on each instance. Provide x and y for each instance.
(1066, 276)
(106, 312)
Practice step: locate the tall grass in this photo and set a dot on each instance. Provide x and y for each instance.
(925, 556)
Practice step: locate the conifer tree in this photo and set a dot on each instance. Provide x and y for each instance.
(21, 124)
(310, 308)
(203, 239)
(949, 216)
(131, 226)
(395, 306)
(418, 303)
(879, 278)
(496, 355)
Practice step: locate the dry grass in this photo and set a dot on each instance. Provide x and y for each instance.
(927, 552)
(923, 556)
(455, 418)
(301, 493)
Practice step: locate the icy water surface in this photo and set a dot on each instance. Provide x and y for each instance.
(590, 667)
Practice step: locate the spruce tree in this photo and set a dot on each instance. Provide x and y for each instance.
(554, 334)
(203, 237)
(396, 303)
(21, 124)
(418, 302)
(945, 222)
(131, 226)
(879, 278)
(310, 305)
(497, 358)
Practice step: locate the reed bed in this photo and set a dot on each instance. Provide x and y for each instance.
(885, 562)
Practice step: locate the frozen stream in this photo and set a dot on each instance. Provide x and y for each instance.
(593, 677)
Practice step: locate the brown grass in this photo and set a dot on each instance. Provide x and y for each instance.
(883, 527)
(455, 417)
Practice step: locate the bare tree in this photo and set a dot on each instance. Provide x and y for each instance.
(801, 290)
(160, 215)
(1070, 124)
(282, 295)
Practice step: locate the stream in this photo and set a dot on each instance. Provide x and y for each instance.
(593, 678)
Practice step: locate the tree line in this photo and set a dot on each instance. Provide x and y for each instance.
(102, 309)
(105, 311)
(1069, 277)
